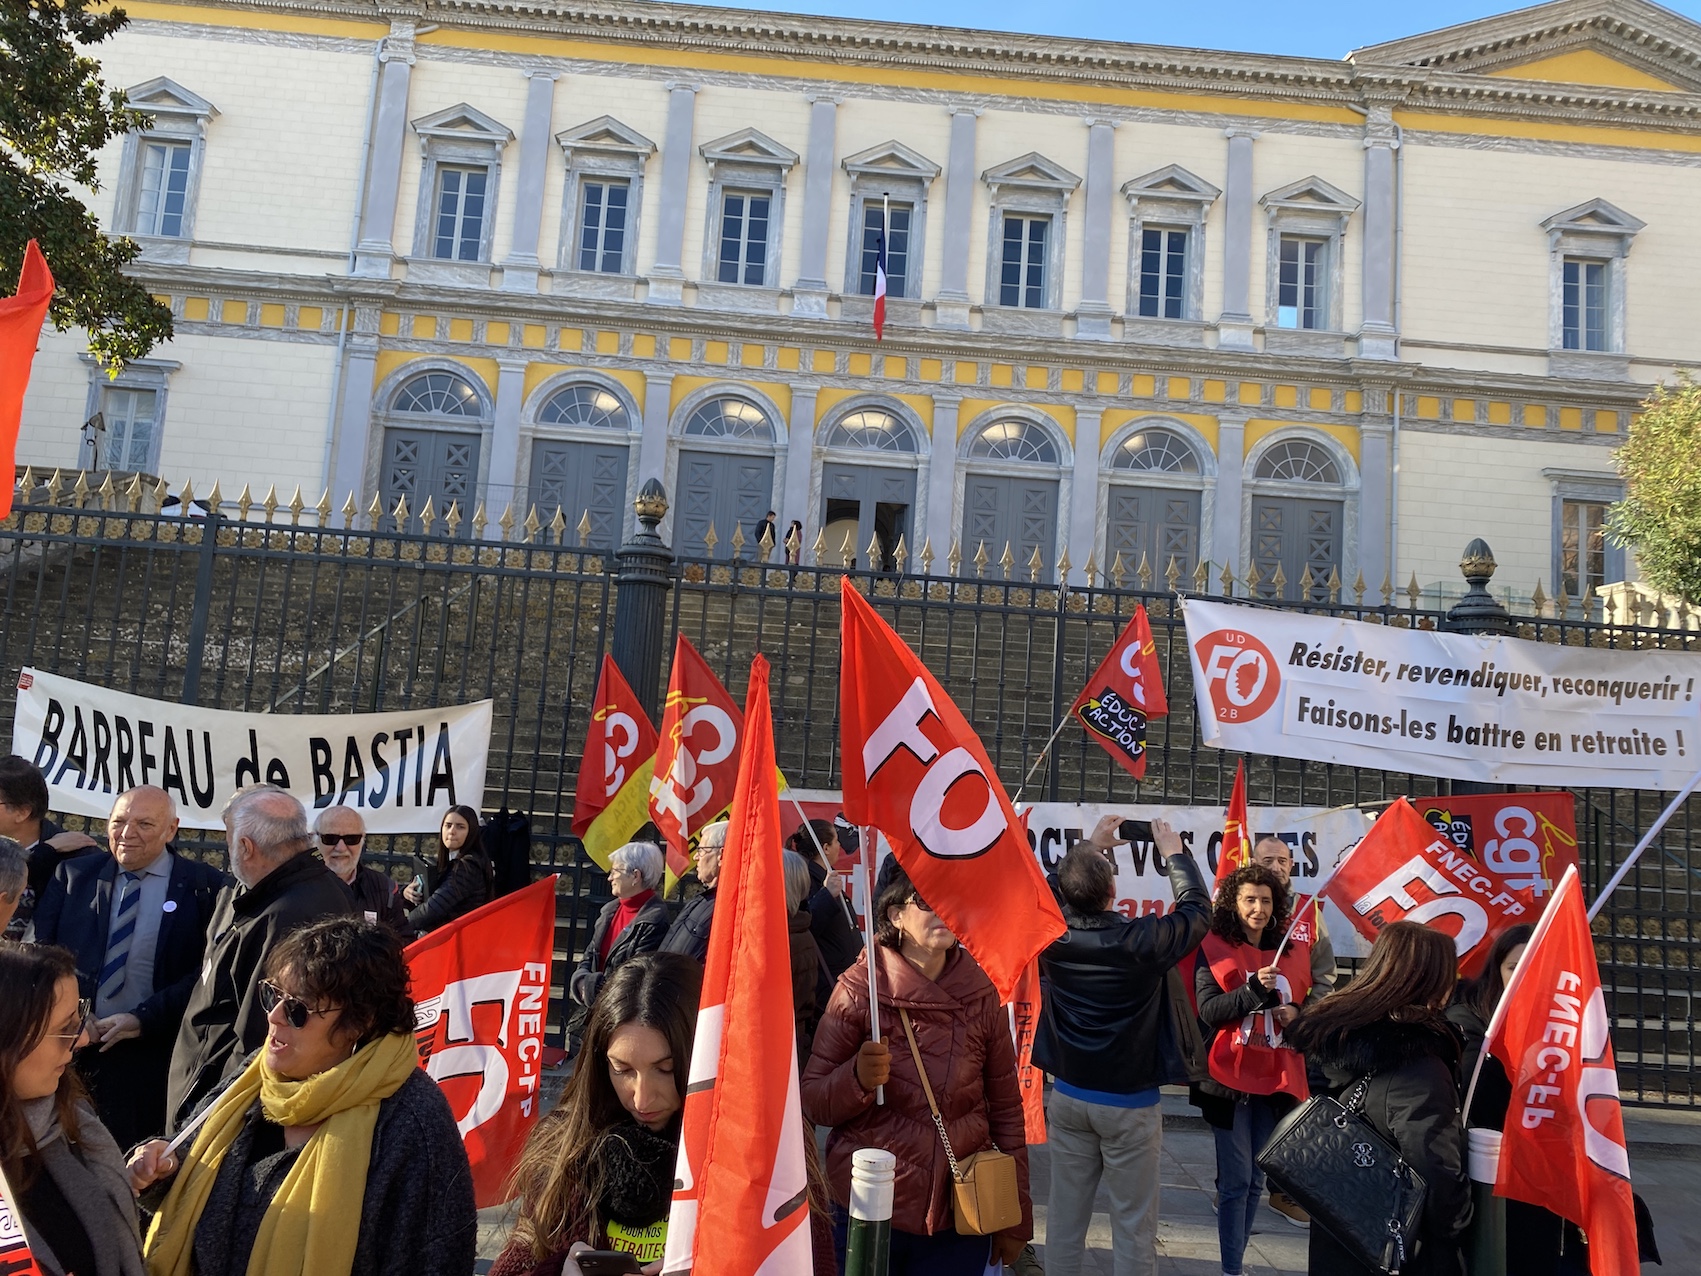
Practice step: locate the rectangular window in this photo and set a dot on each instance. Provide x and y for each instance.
(602, 226)
(1302, 276)
(132, 429)
(897, 248)
(1582, 548)
(164, 189)
(1585, 305)
(1022, 279)
(459, 232)
(744, 237)
(1163, 273)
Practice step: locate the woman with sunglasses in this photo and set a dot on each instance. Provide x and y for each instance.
(68, 1179)
(962, 1036)
(332, 1152)
(463, 875)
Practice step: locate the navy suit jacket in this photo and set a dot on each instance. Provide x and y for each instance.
(77, 905)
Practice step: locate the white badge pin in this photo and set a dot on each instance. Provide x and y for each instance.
(170, 906)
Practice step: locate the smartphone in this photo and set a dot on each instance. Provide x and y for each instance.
(1135, 830)
(607, 1262)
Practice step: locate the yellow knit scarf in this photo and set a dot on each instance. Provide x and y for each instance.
(313, 1223)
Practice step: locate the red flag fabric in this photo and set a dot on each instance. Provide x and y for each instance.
(1125, 692)
(1404, 871)
(481, 991)
(1237, 833)
(1563, 1147)
(21, 317)
(741, 1162)
(915, 770)
(697, 755)
(611, 801)
(1024, 1020)
(15, 1256)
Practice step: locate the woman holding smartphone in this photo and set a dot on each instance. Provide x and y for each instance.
(463, 875)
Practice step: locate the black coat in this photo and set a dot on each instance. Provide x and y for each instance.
(223, 1022)
(466, 886)
(128, 1080)
(1112, 1018)
(830, 923)
(643, 935)
(1413, 1100)
(378, 898)
(688, 933)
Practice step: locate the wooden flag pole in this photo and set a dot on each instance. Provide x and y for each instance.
(1062, 722)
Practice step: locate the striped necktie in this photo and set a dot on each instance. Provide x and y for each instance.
(119, 934)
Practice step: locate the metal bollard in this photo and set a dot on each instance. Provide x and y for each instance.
(1485, 1241)
(868, 1241)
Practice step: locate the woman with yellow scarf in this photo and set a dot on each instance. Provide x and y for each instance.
(332, 1112)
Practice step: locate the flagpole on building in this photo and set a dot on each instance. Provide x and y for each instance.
(1647, 839)
(867, 850)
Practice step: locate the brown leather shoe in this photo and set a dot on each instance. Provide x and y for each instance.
(1289, 1209)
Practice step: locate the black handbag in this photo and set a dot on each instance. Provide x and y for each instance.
(1350, 1179)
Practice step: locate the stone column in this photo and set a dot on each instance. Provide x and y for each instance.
(1375, 473)
(1094, 313)
(354, 409)
(502, 475)
(942, 479)
(1234, 326)
(374, 251)
(1225, 518)
(809, 294)
(1084, 491)
(800, 455)
(520, 269)
(951, 307)
(667, 276)
(1377, 337)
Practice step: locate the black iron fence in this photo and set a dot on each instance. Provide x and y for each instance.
(278, 610)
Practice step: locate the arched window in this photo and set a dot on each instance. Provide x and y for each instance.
(1014, 441)
(729, 418)
(873, 430)
(1155, 452)
(432, 444)
(438, 394)
(1298, 461)
(585, 404)
(1152, 502)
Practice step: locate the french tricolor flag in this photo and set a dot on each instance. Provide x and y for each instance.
(880, 282)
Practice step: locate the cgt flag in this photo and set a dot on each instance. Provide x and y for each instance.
(1563, 1147)
(915, 770)
(1125, 692)
(741, 1167)
(481, 990)
(1237, 830)
(15, 1256)
(697, 757)
(21, 318)
(612, 799)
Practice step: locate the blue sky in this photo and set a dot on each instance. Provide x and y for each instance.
(1316, 28)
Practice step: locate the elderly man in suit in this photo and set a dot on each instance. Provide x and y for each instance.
(137, 920)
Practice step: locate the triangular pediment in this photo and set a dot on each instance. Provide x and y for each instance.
(1172, 181)
(1596, 216)
(1311, 192)
(748, 146)
(605, 133)
(1032, 170)
(892, 159)
(164, 96)
(465, 121)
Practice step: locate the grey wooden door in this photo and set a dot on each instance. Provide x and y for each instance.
(581, 478)
(1001, 510)
(1296, 533)
(440, 464)
(867, 501)
(726, 491)
(1158, 524)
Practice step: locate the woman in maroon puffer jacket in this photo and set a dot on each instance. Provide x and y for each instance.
(963, 1035)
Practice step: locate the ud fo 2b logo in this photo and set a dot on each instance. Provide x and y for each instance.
(1240, 675)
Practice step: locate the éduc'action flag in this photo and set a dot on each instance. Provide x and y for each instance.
(697, 755)
(1237, 834)
(1125, 692)
(915, 770)
(21, 318)
(611, 802)
(741, 1170)
(15, 1256)
(1563, 1147)
(480, 992)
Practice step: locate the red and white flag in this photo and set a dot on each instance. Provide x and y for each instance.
(1236, 848)
(611, 801)
(15, 1256)
(697, 755)
(481, 992)
(1404, 870)
(1563, 1147)
(21, 317)
(880, 279)
(741, 1169)
(1125, 692)
(915, 770)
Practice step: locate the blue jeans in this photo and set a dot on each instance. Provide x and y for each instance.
(942, 1254)
(1240, 1183)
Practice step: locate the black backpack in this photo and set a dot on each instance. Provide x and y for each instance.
(507, 840)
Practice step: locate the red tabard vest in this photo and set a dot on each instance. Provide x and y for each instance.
(1251, 1056)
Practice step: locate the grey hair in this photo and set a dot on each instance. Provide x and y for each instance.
(714, 835)
(14, 868)
(798, 881)
(643, 858)
(319, 819)
(269, 817)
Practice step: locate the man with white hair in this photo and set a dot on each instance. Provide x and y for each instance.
(14, 877)
(633, 922)
(281, 887)
(342, 837)
(689, 933)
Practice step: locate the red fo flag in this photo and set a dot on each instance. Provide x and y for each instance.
(21, 318)
(1404, 870)
(481, 990)
(1563, 1147)
(1237, 834)
(15, 1256)
(741, 1158)
(915, 770)
(1124, 693)
(697, 756)
(1024, 1021)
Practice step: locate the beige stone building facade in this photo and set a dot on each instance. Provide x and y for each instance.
(1144, 304)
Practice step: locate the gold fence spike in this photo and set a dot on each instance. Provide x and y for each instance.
(1387, 591)
(270, 504)
(738, 541)
(901, 555)
(1334, 586)
(452, 520)
(1202, 576)
(324, 507)
(926, 558)
(26, 484)
(186, 498)
(80, 490)
(1414, 591)
(1279, 580)
(1226, 580)
(161, 491)
(56, 483)
(847, 551)
(1143, 573)
(765, 542)
(215, 498)
(1254, 578)
(819, 547)
(1118, 570)
(1538, 599)
(981, 559)
(133, 494)
(584, 527)
(1561, 602)
(244, 503)
(532, 525)
(427, 515)
(1609, 607)
(350, 510)
(1358, 589)
(1064, 567)
(954, 558)
(479, 522)
(1307, 582)
(401, 512)
(296, 505)
(875, 558)
(1007, 560)
(1172, 574)
(108, 493)
(1036, 565)
(710, 540)
(1091, 570)
(374, 512)
(506, 522)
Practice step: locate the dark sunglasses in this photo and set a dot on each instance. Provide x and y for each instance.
(347, 839)
(920, 903)
(296, 1011)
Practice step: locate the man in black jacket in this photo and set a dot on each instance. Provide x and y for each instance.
(1114, 1025)
(280, 887)
(23, 818)
(137, 920)
(342, 837)
(688, 933)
